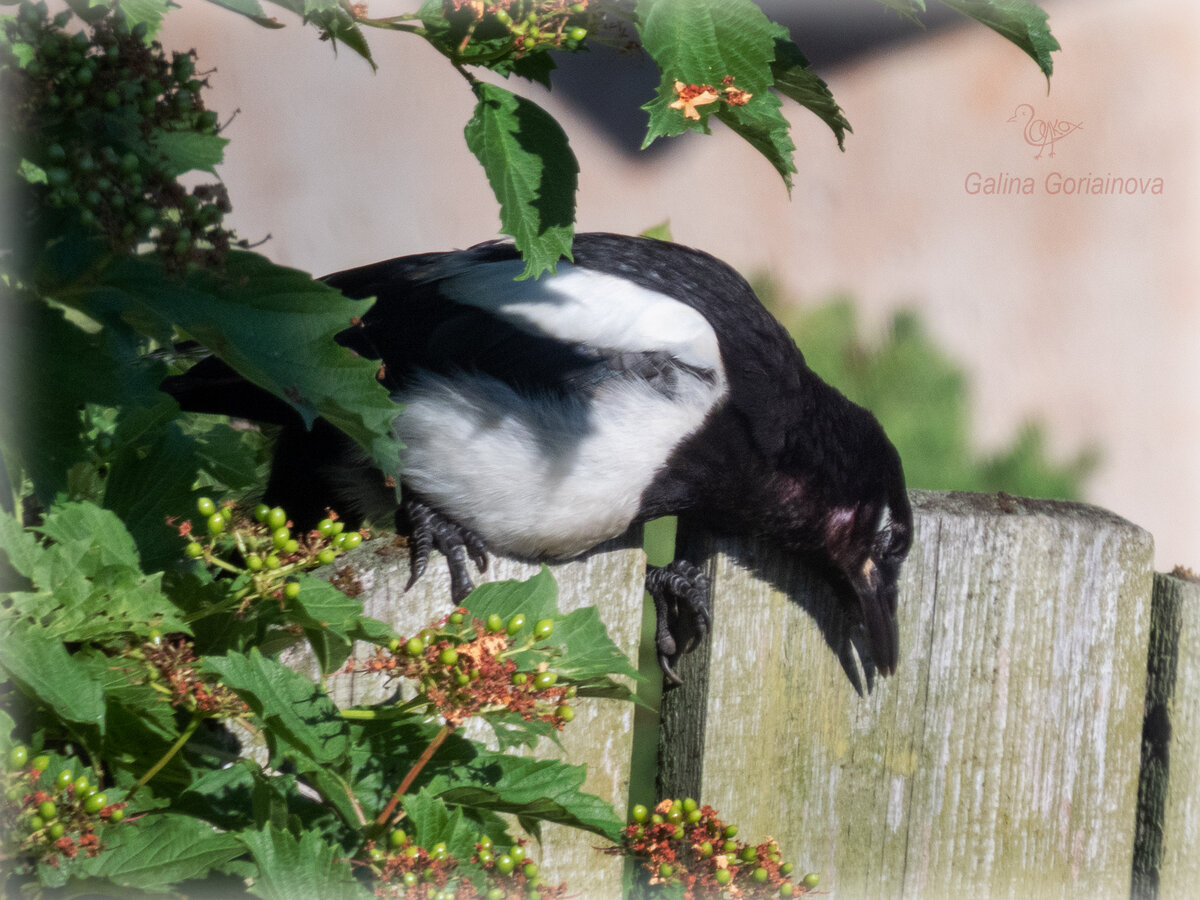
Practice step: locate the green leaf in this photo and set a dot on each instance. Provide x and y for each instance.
(88, 584)
(1020, 21)
(764, 127)
(251, 9)
(543, 789)
(160, 851)
(532, 171)
(705, 42)
(328, 618)
(149, 11)
(434, 821)
(536, 597)
(793, 78)
(907, 8)
(41, 666)
(187, 151)
(275, 326)
(294, 709)
(304, 867)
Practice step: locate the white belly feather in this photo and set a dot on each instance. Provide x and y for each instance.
(539, 475)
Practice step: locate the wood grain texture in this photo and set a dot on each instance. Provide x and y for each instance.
(610, 577)
(1167, 859)
(1000, 761)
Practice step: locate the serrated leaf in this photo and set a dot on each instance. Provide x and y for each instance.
(328, 618)
(41, 666)
(187, 151)
(907, 8)
(764, 127)
(543, 789)
(794, 79)
(161, 850)
(251, 9)
(704, 42)
(275, 326)
(1020, 21)
(532, 171)
(149, 11)
(304, 867)
(294, 709)
(434, 821)
(536, 597)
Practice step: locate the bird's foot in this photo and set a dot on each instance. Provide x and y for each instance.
(680, 592)
(430, 530)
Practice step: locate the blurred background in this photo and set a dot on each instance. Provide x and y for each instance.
(1043, 343)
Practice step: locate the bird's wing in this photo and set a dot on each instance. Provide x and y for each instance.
(466, 311)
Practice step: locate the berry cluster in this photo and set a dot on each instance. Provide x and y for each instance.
(98, 117)
(45, 818)
(407, 870)
(529, 24)
(465, 668)
(684, 844)
(169, 664)
(263, 545)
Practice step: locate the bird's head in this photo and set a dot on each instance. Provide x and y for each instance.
(844, 494)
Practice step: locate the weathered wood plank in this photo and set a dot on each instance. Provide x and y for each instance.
(1167, 858)
(601, 736)
(1001, 760)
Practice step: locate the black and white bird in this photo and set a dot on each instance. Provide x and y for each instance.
(543, 417)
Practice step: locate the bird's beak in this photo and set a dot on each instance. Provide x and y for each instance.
(877, 603)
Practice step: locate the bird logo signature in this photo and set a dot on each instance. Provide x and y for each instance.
(1042, 133)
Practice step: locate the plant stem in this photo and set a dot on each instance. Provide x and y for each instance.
(438, 739)
(171, 751)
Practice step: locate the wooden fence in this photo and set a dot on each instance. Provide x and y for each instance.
(1002, 759)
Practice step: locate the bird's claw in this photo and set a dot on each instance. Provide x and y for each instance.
(431, 530)
(680, 592)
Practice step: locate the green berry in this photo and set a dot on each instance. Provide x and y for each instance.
(543, 680)
(63, 779)
(36, 823)
(565, 712)
(723, 876)
(731, 831)
(275, 518)
(505, 864)
(95, 803)
(729, 847)
(41, 763)
(326, 556)
(194, 550)
(543, 629)
(206, 506)
(448, 657)
(438, 851)
(116, 815)
(410, 879)
(786, 869)
(666, 870)
(517, 852)
(291, 590)
(272, 562)
(497, 893)
(398, 838)
(216, 523)
(56, 831)
(675, 814)
(376, 853)
(638, 813)
(706, 849)
(787, 889)
(761, 874)
(811, 880)
(577, 34)
(292, 546)
(515, 624)
(325, 527)
(47, 810)
(503, 17)
(261, 511)
(414, 647)
(18, 756)
(254, 562)
(494, 623)
(749, 854)
(693, 816)
(280, 536)
(81, 785)
(519, 678)
(456, 618)
(530, 870)
(352, 539)
(485, 842)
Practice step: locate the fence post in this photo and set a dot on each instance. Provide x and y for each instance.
(611, 577)
(1167, 857)
(1001, 759)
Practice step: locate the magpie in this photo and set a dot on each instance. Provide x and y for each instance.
(543, 417)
